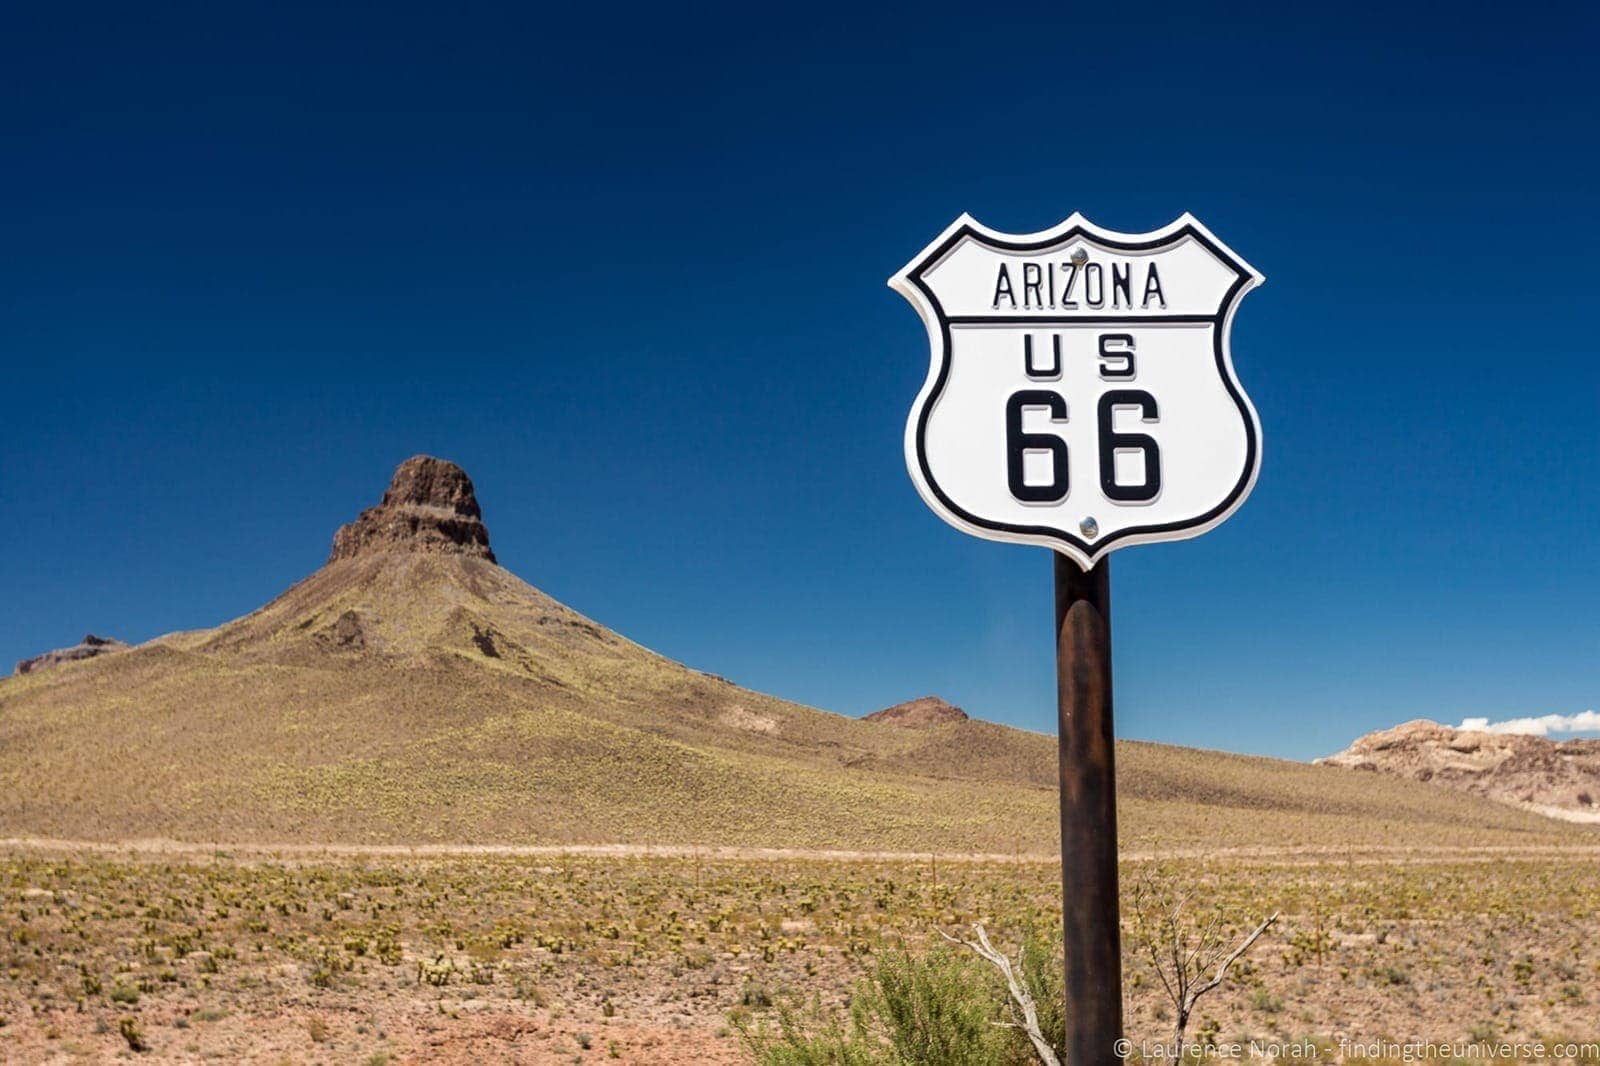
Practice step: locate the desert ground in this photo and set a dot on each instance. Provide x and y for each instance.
(170, 953)
(416, 810)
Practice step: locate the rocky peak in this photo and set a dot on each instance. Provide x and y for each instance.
(87, 648)
(429, 508)
(921, 713)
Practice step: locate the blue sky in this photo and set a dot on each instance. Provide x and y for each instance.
(630, 273)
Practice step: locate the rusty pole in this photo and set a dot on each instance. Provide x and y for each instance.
(1089, 915)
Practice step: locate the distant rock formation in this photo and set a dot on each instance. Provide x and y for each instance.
(87, 648)
(1559, 778)
(921, 713)
(429, 508)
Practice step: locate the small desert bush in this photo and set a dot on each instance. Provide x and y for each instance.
(132, 1034)
(938, 1006)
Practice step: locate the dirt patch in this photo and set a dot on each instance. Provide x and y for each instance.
(737, 716)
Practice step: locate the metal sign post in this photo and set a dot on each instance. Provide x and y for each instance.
(1091, 930)
(1081, 396)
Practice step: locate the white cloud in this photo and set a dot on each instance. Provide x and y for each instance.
(1543, 726)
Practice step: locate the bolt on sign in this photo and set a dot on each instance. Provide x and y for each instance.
(1081, 394)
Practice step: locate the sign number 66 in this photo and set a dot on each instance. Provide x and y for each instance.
(1111, 442)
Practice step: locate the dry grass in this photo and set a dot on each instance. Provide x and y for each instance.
(340, 961)
(475, 709)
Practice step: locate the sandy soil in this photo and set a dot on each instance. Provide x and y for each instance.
(1384, 940)
(477, 1035)
(1370, 853)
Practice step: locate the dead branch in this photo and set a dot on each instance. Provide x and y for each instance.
(1190, 992)
(1222, 970)
(1019, 992)
(1190, 958)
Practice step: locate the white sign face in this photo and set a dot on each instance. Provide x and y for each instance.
(1081, 394)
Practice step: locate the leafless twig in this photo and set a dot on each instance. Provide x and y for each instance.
(1018, 989)
(1183, 954)
(1222, 970)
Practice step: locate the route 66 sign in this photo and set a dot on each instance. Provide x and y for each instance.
(1081, 393)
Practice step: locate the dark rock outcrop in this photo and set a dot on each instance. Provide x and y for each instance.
(345, 633)
(87, 648)
(429, 508)
(921, 713)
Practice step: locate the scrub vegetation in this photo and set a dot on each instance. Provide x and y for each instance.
(655, 959)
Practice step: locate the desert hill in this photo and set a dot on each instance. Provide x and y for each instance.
(412, 690)
(920, 713)
(87, 648)
(1559, 778)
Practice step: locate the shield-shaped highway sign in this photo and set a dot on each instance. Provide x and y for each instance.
(1081, 394)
